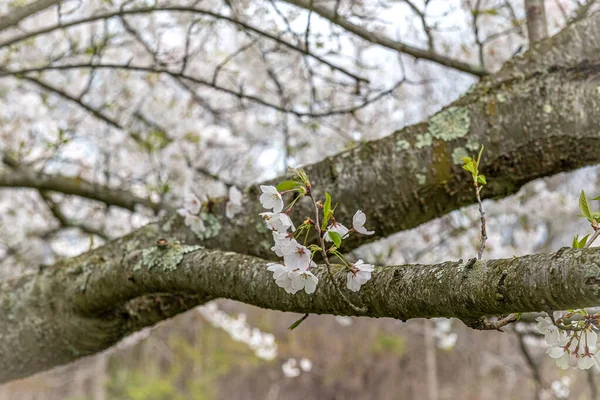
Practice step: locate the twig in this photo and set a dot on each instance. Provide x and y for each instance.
(361, 310)
(481, 324)
(483, 229)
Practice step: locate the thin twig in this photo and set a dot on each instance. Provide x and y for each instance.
(482, 214)
(320, 232)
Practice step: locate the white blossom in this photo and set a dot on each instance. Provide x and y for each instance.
(305, 280)
(358, 223)
(560, 389)
(234, 204)
(293, 281)
(305, 364)
(192, 204)
(282, 241)
(335, 227)
(361, 276)
(194, 222)
(290, 368)
(569, 348)
(296, 256)
(279, 222)
(343, 320)
(271, 198)
(263, 344)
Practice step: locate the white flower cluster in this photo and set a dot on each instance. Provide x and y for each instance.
(194, 217)
(294, 273)
(570, 348)
(292, 368)
(263, 344)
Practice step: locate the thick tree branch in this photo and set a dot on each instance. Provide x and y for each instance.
(20, 13)
(83, 305)
(384, 41)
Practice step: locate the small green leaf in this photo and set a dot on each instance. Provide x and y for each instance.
(575, 242)
(295, 324)
(584, 206)
(288, 185)
(583, 241)
(481, 179)
(336, 238)
(596, 198)
(470, 166)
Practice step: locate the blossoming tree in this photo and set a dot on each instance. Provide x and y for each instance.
(214, 246)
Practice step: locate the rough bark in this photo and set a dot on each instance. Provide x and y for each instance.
(83, 305)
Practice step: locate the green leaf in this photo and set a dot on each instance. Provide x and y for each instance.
(584, 206)
(470, 166)
(580, 244)
(295, 324)
(596, 198)
(336, 238)
(583, 241)
(288, 185)
(481, 179)
(327, 213)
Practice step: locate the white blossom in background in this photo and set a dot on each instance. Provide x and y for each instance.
(360, 277)
(290, 368)
(446, 339)
(191, 208)
(305, 364)
(560, 388)
(191, 204)
(263, 344)
(343, 320)
(271, 198)
(234, 203)
(358, 223)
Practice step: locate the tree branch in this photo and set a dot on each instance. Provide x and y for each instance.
(537, 26)
(384, 41)
(181, 75)
(20, 13)
(93, 295)
(24, 177)
(147, 10)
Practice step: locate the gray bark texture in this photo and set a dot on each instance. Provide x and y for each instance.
(538, 116)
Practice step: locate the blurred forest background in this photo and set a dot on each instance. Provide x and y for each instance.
(232, 93)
